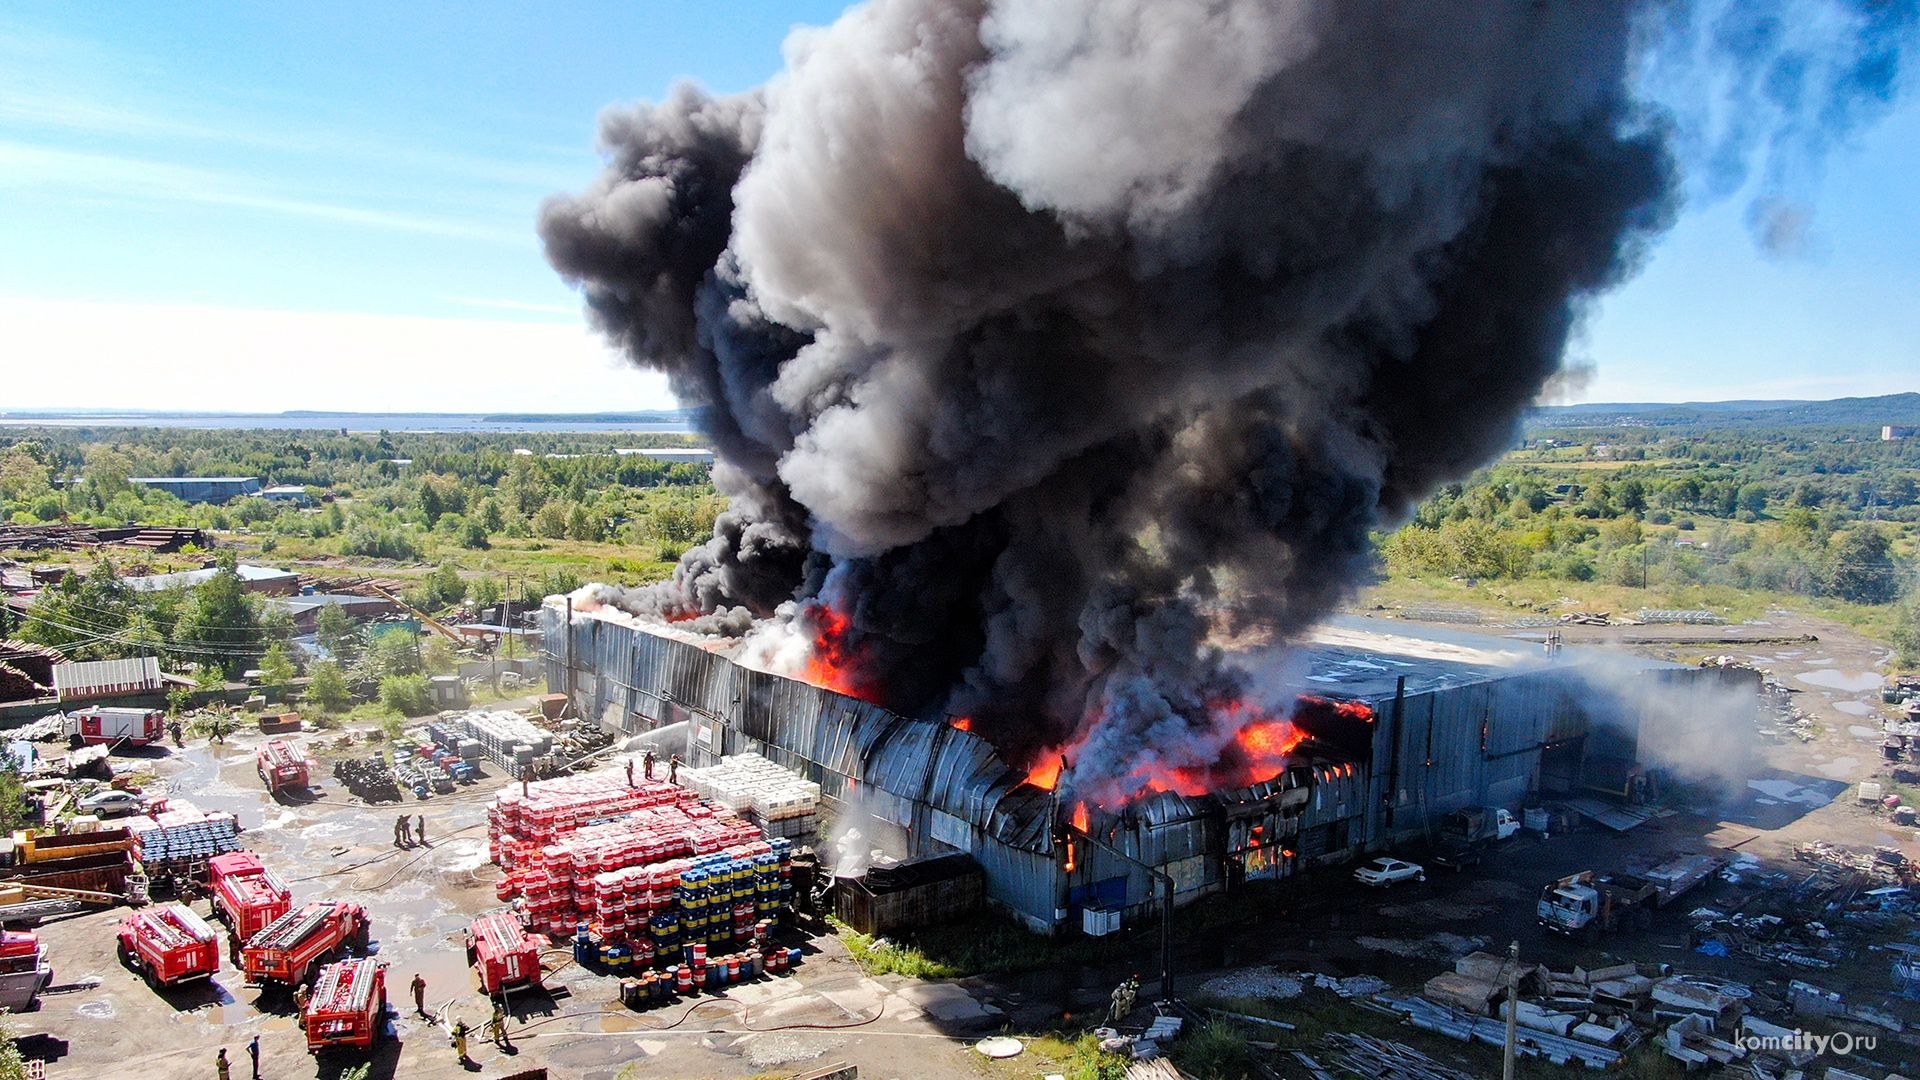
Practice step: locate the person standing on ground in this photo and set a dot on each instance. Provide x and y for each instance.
(420, 993)
(253, 1051)
(173, 728)
(460, 1041)
(648, 761)
(497, 1027)
(420, 830)
(673, 769)
(629, 772)
(397, 826)
(220, 1065)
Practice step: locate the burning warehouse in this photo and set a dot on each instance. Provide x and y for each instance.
(1402, 726)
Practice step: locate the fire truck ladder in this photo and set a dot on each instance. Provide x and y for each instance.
(344, 987)
(504, 937)
(293, 928)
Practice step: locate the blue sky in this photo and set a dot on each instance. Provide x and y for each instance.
(328, 206)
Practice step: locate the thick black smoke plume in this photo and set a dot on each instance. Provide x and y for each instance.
(1048, 342)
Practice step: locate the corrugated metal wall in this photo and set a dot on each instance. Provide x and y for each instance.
(1434, 752)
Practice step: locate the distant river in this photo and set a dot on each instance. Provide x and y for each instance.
(397, 422)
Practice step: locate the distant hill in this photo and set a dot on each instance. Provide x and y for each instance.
(1868, 412)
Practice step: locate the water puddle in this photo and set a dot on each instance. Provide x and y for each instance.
(1853, 682)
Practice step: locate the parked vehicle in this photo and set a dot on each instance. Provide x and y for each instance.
(24, 970)
(500, 950)
(1587, 904)
(246, 895)
(128, 727)
(111, 803)
(169, 945)
(1465, 835)
(1384, 871)
(1479, 823)
(282, 765)
(348, 1006)
(289, 950)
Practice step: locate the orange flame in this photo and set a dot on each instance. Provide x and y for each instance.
(833, 663)
(1045, 773)
(1070, 860)
(962, 723)
(1081, 818)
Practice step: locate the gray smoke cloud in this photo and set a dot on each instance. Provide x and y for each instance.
(1047, 342)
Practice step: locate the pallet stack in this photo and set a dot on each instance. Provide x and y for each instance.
(183, 833)
(509, 739)
(778, 801)
(518, 824)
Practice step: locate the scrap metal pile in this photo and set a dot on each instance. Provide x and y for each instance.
(1779, 716)
(370, 780)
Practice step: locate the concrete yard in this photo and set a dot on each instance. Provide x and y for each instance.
(101, 1019)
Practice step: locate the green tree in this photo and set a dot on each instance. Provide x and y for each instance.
(407, 695)
(276, 665)
(336, 633)
(86, 616)
(485, 592)
(445, 587)
(550, 521)
(438, 657)
(1861, 567)
(220, 630)
(12, 1065)
(394, 652)
(327, 687)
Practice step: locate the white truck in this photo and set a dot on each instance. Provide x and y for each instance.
(1466, 833)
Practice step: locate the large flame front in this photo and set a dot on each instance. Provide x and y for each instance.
(1258, 748)
(833, 661)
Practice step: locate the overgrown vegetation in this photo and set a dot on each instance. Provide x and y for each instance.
(1655, 516)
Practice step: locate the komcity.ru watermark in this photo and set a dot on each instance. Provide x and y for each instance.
(1840, 1043)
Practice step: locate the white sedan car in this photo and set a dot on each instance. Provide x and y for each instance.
(1383, 871)
(111, 803)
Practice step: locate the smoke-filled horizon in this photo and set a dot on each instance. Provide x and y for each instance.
(1045, 343)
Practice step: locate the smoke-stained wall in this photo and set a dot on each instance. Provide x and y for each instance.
(935, 788)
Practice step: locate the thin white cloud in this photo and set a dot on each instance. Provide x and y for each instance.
(87, 354)
(145, 180)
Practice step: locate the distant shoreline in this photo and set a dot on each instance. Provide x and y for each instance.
(651, 422)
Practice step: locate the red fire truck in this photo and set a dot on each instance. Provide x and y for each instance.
(281, 765)
(169, 945)
(348, 1006)
(294, 945)
(246, 894)
(506, 958)
(131, 727)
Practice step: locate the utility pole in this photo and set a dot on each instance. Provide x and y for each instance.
(1513, 1010)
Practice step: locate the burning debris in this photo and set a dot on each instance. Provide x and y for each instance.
(1045, 348)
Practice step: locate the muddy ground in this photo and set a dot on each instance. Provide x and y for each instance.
(100, 1019)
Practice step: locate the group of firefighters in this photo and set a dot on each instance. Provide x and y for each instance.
(408, 832)
(647, 760)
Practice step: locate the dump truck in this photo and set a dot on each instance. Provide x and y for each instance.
(282, 765)
(169, 945)
(130, 727)
(291, 948)
(246, 895)
(505, 957)
(347, 1009)
(1586, 904)
(24, 970)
